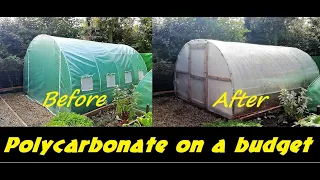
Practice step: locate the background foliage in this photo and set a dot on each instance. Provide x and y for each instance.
(16, 34)
(171, 33)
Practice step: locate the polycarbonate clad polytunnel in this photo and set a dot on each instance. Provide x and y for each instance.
(64, 65)
(206, 69)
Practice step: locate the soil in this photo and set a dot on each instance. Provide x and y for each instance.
(31, 113)
(106, 119)
(7, 118)
(173, 112)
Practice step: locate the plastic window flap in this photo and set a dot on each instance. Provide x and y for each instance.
(141, 75)
(111, 79)
(128, 77)
(85, 85)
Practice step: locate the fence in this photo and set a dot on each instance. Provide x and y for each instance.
(11, 79)
(162, 83)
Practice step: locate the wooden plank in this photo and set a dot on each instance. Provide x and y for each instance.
(181, 72)
(219, 78)
(246, 116)
(197, 77)
(10, 88)
(96, 111)
(21, 121)
(163, 92)
(206, 75)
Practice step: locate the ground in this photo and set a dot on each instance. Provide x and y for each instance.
(31, 113)
(34, 115)
(171, 111)
(105, 119)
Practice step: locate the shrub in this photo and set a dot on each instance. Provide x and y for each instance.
(144, 121)
(70, 119)
(11, 63)
(310, 121)
(125, 101)
(232, 123)
(294, 105)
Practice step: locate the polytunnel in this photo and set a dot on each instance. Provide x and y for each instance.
(206, 69)
(314, 93)
(144, 89)
(147, 57)
(64, 65)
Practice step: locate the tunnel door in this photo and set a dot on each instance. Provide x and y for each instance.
(198, 73)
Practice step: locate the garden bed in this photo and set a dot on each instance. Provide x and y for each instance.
(173, 112)
(31, 113)
(107, 117)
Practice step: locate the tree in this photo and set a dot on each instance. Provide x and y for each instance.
(170, 34)
(267, 30)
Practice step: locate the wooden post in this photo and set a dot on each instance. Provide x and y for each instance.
(318, 109)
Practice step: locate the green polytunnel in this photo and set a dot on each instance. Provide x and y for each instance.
(147, 57)
(313, 92)
(144, 88)
(64, 65)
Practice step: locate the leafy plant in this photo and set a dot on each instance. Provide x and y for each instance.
(144, 120)
(232, 123)
(310, 121)
(125, 101)
(294, 104)
(70, 119)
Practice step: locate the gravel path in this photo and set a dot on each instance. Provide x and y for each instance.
(7, 118)
(174, 112)
(30, 112)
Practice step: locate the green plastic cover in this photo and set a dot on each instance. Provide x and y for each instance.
(64, 65)
(317, 60)
(144, 88)
(147, 57)
(314, 93)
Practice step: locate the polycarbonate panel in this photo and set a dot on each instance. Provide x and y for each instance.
(183, 60)
(274, 67)
(181, 85)
(216, 89)
(217, 65)
(197, 91)
(197, 62)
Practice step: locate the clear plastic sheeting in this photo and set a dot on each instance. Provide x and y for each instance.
(144, 88)
(64, 65)
(205, 69)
